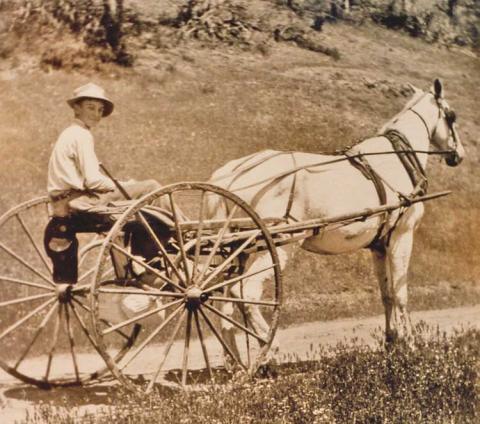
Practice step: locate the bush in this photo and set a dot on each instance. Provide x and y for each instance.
(435, 381)
(99, 25)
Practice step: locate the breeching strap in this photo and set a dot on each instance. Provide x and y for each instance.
(292, 192)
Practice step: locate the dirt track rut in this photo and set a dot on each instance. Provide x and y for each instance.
(296, 342)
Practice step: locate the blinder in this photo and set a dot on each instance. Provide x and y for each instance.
(450, 117)
(453, 159)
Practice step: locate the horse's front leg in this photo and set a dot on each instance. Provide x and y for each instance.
(395, 292)
(391, 261)
(379, 258)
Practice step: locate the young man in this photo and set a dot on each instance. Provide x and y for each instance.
(75, 182)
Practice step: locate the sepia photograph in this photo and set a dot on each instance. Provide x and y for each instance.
(239, 211)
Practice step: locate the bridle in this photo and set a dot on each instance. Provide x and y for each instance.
(339, 156)
(450, 119)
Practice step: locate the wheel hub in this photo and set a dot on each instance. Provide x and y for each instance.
(64, 292)
(194, 297)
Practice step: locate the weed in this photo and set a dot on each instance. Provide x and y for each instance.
(436, 380)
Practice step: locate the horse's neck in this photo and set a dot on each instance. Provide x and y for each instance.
(415, 131)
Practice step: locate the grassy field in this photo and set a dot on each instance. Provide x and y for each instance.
(437, 382)
(182, 113)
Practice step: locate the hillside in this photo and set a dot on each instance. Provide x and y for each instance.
(184, 109)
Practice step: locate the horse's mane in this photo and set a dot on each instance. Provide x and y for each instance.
(410, 103)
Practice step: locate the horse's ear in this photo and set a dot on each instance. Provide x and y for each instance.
(438, 89)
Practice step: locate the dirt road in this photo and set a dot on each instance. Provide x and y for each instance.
(296, 342)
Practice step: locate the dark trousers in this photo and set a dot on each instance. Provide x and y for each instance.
(61, 245)
(60, 239)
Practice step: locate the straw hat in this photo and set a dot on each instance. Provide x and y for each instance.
(92, 91)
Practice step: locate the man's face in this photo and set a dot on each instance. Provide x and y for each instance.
(89, 111)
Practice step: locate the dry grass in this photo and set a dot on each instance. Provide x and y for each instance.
(436, 382)
(181, 114)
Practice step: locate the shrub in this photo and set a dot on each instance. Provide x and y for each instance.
(436, 380)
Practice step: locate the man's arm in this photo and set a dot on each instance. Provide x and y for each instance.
(94, 180)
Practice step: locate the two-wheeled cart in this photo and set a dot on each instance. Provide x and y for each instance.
(165, 294)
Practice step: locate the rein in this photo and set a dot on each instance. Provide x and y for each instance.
(315, 165)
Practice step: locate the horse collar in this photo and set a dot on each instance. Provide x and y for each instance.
(409, 160)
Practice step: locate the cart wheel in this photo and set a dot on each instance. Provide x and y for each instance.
(45, 330)
(194, 294)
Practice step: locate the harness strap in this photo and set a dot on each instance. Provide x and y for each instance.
(359, 162)
(243, 167)
(291, 196)
(240, 170)
(369, 173)
(409, 160)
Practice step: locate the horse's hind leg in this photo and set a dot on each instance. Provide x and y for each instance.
(251, 288)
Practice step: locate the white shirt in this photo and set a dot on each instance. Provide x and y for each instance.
(73, 163)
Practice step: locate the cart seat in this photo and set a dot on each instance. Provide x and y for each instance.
(90, 222)
(102, 221)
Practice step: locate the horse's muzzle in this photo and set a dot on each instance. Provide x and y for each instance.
(453, 159)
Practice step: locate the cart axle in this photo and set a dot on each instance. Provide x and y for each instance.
(194, 297)
(64, 292)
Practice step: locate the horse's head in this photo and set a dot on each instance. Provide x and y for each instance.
(442, 131)
(445, 135)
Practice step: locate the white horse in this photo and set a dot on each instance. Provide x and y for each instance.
(301, 186)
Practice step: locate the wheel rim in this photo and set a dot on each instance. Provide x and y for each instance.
(45, 329)
(198, 265)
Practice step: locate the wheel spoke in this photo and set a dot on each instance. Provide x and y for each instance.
(25, 283)
(91, 271)
(220, 235)
(154, 333)
(153, 292)
(26, 264)
(196, 264)
(202, 344)
(25, 299)
(86, 274)
(77, 288)
(103, 321)
(199, 234)
(83, 325)
(32, 316)
(159, 244)
(224, 344)
(225, 263)
(246, 323)
(35, 245)
(180, 238)
(54, 344)
(87, 333)
(186, 349)
(146, 266)
(166, 351)
(236, 323)
(236, 279)
(71, 342)
(95, 241)
(26, 318)
(35, 336)
(244, 301)
(141, 316)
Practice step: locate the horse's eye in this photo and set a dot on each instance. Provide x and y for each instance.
(450, 116)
